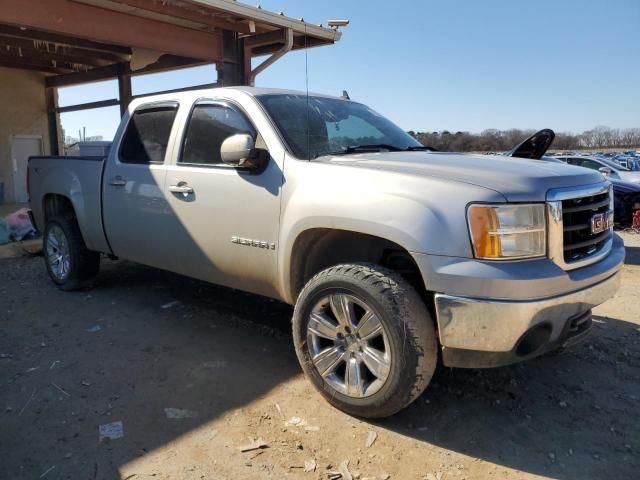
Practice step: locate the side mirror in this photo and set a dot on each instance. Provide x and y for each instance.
(605, 171)
(236, 149)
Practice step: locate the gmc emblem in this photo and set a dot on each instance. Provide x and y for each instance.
(601, 222)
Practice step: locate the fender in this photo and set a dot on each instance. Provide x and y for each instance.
(421, 214)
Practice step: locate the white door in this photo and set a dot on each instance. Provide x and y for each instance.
(23, 147)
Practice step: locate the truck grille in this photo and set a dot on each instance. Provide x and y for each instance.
(578, 240)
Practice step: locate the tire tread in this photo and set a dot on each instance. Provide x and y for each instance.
(393, 291)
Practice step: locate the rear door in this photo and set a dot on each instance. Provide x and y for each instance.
(135, 210)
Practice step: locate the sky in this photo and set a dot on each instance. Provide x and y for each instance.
(435, 65)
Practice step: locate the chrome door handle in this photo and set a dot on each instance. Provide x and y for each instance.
(118, 182)
(181, 188)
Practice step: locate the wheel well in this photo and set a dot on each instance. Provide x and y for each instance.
(317, 249)
(54, 204)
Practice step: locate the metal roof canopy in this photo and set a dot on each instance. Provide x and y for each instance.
(81, 41)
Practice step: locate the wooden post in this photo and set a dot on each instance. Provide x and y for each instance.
(231, 70)
(124, 89)
(51, 98)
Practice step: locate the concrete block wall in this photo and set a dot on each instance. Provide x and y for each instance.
(22, 112)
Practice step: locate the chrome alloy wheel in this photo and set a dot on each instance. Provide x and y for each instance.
(58, 255)
(348, 345)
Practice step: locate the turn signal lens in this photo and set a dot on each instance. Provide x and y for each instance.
(507, 231)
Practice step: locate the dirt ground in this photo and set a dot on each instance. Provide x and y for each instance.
(222, 363)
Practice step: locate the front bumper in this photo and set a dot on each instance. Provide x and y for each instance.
(496, 313)
(477, 332)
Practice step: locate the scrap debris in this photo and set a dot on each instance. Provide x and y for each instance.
(178, 413)
(371, 438)
(112, 431)
(254, 444)
(61, 389)
(310, 465)
(28, 402)
(342, 473)
(47, 471)
(170, 304)
(295, 422)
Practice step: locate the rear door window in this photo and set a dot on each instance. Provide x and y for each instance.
(147, 135)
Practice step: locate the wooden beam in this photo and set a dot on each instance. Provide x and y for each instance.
(58, 58)
(87, 106)
(122, 54)
(94, 75)
(25, 44)
(6, 61)
(186, 11)
(298, 43)
(277, 36)
(164, 64)
(100, 25)
(203, 86)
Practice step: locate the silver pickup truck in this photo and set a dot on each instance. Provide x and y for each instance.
(390, 253)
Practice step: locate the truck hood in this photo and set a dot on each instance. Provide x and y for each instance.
(517, 179)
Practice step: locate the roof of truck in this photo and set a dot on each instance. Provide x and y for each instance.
(257, 91)
(190, 95)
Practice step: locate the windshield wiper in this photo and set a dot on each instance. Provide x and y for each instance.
(372, 147)
(376, 147)
(421, 148)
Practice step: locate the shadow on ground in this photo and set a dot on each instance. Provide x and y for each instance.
(566, 415)
(633, 256)
(572, 415)
(72, 361)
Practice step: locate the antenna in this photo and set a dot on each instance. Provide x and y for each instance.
(306, 81)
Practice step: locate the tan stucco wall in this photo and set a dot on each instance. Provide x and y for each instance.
(22, 112)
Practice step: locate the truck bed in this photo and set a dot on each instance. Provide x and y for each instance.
(78, 178)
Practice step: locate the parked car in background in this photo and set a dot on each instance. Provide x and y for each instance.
(626, 197)
(608, 168)
(626, 200)
(632, 163)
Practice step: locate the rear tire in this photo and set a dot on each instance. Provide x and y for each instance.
(364, 371)
(69, 263)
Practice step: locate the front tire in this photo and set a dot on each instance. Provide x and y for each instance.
(69, 263)
(365, 339)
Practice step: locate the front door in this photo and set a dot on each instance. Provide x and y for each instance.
(135, 210)
(23, 147)
(225, 219)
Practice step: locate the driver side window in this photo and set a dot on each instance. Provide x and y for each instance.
(209, 125)
(590, 164)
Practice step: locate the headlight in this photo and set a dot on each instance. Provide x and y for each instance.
(507, 231)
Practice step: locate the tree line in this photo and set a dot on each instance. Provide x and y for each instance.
(493, 140)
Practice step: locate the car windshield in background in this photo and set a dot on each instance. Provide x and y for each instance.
(317, 126)
(614, 165)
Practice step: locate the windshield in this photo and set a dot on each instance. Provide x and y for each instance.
(331, 125)
(614, 165)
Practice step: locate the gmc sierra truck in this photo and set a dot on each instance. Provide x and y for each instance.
(392, 254)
